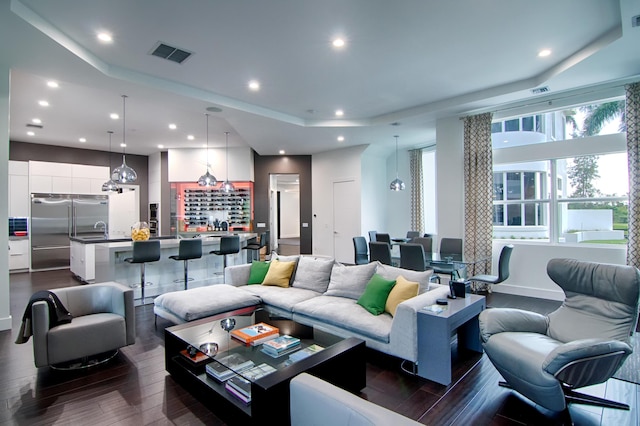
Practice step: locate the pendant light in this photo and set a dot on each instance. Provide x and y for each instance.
(124, 173)
(397, 184)
(227, 186)
(110, 185)
(207, 179)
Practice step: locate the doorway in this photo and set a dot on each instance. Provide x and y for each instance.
(284, 211)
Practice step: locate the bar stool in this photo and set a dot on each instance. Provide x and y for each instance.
(256, 246)
(144, 252)
(229, 244)
(188, 249)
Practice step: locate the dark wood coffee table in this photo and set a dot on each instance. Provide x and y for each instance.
(341, 362)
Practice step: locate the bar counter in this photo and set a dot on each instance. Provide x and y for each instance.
(166, 274)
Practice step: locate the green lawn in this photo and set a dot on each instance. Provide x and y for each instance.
(603, 242)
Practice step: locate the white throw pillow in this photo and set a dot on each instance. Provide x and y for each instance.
(350, 281)
(421, 277)
(313, 273)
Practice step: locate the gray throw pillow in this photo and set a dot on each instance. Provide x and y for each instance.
(350, 281)
(391, 273)
(313, 273)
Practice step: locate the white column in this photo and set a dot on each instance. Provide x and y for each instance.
(450, 178)
(5, 313)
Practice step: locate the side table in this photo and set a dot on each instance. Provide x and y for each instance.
(435, 330)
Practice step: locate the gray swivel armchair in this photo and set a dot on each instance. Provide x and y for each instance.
(103, 321)
(582, 343)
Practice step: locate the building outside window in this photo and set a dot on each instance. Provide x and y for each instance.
(551, 183)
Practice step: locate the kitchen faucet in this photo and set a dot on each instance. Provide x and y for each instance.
(104, 227)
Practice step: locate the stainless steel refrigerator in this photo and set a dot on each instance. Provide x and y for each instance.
(55, 218)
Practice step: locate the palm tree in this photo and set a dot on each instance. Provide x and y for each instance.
(599, 115)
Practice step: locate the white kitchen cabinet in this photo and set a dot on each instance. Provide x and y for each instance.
(18, 196)
(83, 261)
(18, 255)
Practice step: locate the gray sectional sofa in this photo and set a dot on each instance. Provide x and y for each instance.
(321, 293)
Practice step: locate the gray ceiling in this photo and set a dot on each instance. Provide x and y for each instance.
(407, 61)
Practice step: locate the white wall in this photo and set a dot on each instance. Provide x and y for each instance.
(289, 214)
(398, 205)
(327, 168)
(155, 178)
(187, 165)
(450, 178)
(374, 192)
(5, 312)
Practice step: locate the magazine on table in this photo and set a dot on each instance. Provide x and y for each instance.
(254, 332)
(304, 353)
(228, 366)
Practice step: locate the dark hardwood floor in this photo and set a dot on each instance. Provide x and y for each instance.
(134, 388)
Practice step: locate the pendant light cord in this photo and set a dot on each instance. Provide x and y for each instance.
(226, 134)
(396, 156)
(124, 115)
(207, 141)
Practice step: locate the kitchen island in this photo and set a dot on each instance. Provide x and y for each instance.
(166, 274)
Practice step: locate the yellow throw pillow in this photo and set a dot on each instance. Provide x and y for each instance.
(279, 273)
(403, 290)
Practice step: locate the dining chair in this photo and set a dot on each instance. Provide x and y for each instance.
(412, 257)
(503, 271)
(426, 242)
(385, 238)
(372, 236)
(451, 246)
(380, 251)
(412, 234)
(361, 253)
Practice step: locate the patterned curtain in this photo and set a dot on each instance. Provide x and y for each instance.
(478, 192)
(632, 117)
(417, 190)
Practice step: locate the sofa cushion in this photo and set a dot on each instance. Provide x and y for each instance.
(292, 258)
(313, 273)
(283, 298)
(344, 313)
(391, 273)
(403, 290)
(279, 273)
(258, 271)
(201, 302)
(350, 281)
(375, 294)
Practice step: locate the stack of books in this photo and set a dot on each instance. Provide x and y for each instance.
(240, 388)
(310, 350)
(254, 373)
(281, 345)
(259, 331)
(227, 367)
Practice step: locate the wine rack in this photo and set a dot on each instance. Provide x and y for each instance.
(201, 203)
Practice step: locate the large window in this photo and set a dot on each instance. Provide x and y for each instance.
(562, 189)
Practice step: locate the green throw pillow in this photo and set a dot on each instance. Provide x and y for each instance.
(375, 294)
(259, 270)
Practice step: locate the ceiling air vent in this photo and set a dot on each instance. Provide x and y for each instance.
(36, 126)
(538, 90)
(170, 53)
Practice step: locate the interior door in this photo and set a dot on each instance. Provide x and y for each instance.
(346, 220)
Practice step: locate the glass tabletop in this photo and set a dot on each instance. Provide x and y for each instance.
(214, 342)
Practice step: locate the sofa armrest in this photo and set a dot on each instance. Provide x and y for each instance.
(39, 330)
(237, 275)
(493, 321)
(314, 401)
(404, 327)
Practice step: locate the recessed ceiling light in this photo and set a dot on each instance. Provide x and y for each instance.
(338, 42)
(340, 138)
(36, 121)
(114, 116)
(544, 52)
(173, 126)
(53, 84)
(82, 140)
(191, 137)
(254, 85)
(105, 37)
(339, 113)
(160, 146)
(281, 151)
(123, 145)
(43, 103)
(31, 133)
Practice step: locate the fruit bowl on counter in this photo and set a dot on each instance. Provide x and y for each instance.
(140, 231)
